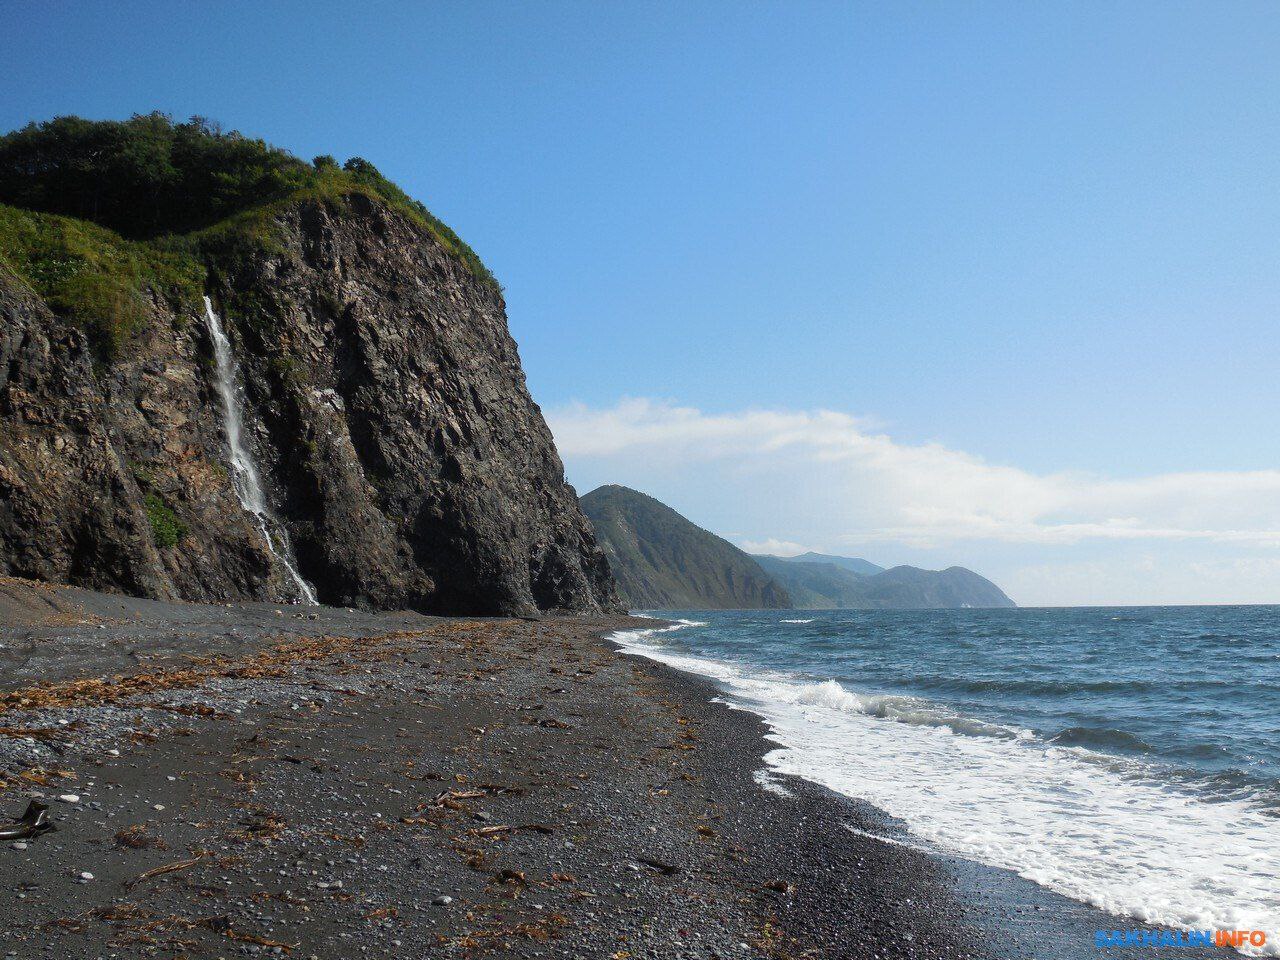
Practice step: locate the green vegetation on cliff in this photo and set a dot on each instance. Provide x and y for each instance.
(98, 216)
(93, 276)
(167, 527)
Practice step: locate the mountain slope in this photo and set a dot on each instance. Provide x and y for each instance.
(813, 586)
(852, 564)
(402, 460)
(902, 588)
(830, 586)
(662, 561)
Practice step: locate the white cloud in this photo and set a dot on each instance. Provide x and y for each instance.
(775, 547)
(830, 477)
(1236, 569)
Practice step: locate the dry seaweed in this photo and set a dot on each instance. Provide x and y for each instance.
(161, 871)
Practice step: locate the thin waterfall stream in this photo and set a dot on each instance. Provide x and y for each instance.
(245, 477)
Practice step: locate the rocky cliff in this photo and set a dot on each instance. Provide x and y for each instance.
(664, 562)
(401, 457)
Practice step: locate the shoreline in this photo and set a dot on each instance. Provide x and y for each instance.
(1002, 914)
(332, 783)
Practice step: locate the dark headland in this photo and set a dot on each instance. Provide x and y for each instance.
(663, 561)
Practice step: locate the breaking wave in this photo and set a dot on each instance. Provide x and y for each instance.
(1063, 811)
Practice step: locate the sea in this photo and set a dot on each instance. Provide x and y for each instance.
(1128, 758)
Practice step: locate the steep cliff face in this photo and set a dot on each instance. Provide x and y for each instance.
(402, 456)
(89, 456)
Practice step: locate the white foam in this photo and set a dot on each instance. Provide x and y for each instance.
(1064, 817)
(768, 782)
(797, 621)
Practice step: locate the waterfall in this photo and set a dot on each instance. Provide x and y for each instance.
(245, 478)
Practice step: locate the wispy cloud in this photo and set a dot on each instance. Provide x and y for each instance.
(868, 487)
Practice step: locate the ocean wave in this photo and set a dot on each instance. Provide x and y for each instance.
(632, 636)
(1098, 828)
(952, 684)
(909, 710)
(796, 621)
(676, 622)
(1103, 738)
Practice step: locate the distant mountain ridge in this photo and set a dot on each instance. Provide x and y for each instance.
(834, 585)
(662, 561)
(854, 564)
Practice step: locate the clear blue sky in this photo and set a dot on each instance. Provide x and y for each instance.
(1043, 234)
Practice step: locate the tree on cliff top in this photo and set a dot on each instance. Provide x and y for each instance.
(148, 176)
(144, 176)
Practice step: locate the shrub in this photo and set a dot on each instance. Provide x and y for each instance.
(166, 528)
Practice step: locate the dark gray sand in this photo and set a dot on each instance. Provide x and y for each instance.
(325, 783)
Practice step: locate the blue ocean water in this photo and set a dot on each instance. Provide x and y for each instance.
(1128, 757)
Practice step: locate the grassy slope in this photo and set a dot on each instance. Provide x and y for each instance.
(103, 279)
(95, 277)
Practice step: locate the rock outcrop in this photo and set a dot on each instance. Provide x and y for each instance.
(385, 404)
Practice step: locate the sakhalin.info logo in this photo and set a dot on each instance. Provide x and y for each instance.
(1178, 938)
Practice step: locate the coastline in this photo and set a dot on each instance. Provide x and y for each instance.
(330, 783)
(989, 911)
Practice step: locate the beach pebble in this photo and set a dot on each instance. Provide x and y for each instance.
(442, 901)
(158, 806)
(84, 876)
(18, 845)
(69, 797)
(113, 752)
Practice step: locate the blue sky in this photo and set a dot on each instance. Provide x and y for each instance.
(1041, 238)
